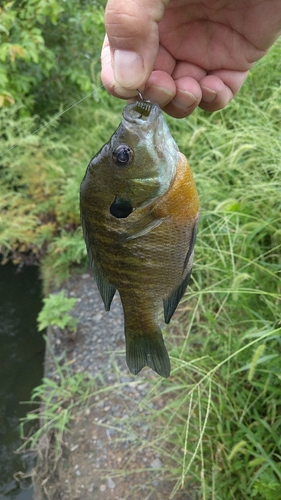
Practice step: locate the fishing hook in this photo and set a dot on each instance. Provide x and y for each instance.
(140, 95)
(142, 106)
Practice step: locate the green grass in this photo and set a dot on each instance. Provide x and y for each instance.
(219, 430)
(61, 398)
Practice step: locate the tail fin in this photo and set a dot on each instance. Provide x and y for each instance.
(147, 350)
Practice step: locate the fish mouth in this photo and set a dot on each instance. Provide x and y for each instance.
(141, 112)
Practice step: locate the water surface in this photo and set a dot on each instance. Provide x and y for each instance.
(21, 368)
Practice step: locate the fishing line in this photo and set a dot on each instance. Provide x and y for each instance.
(52, 120)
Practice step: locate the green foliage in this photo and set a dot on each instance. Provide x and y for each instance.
(39, 185)
(30, 185)
(76, 44)
(61, 398)
(56, 311)
(47, 47)
(40, 177)
(267, 487)
(219, 430)
(22, 45)
(65, 251)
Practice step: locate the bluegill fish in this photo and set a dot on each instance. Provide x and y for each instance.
(139, 213)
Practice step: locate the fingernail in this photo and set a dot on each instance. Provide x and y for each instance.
(128, 68)
(184, 99)
(159, 94)
(208, 95)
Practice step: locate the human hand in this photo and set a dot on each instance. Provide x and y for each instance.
(183, 53)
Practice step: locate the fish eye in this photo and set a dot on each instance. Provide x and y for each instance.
(123, 155)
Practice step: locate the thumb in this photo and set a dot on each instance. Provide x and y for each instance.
(131, 45)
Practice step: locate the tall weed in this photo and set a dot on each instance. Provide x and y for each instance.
(219, 429)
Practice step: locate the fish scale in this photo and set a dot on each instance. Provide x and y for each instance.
(139, 213)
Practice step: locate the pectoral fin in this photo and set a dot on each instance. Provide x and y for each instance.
(139, 228)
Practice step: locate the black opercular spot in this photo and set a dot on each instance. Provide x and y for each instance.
(123, 155)
(121, 208)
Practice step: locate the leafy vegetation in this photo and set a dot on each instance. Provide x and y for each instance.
(56, 311)
(60, 400)
(43, 159)
(47, 47)
(39, 186)
(219, 430)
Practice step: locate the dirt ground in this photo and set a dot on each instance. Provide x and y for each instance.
(100, 459)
